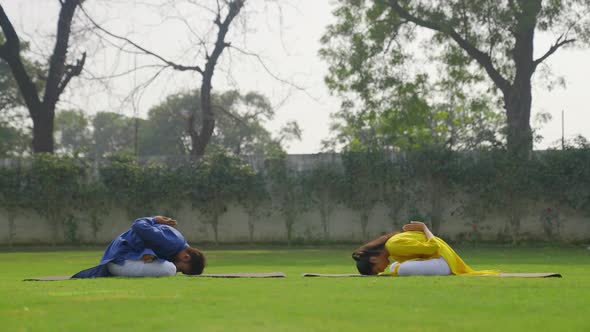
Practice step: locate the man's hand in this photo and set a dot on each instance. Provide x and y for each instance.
(165, 221)
(147, 258)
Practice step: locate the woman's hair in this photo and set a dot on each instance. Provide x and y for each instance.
(197, 261)
(362, 255)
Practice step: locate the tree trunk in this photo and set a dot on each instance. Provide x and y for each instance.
(55, 223)
(215, 226)
(324, 219)
(518, 97)
(43, 129)
(518, 113)
(201, 139)
(95, 224)
(251, 227)
(42, 110)
(515, 227)
(364, 224)
(435, 204)
(11, 230)
(289, 229)
(436, 215)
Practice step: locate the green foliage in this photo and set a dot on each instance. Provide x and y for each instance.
(10, 96)
(13, 140)
(52, 185)
(219, 180)
(566, 177)
(66, 192)
(326, 184)
(113, 133)
(15, 136)
(382, 54)
(132, 184)
(13, 196)
(288, 191)
(239, 123)
(93, 201)
(363, 182)
(254, 197)
(72, 132)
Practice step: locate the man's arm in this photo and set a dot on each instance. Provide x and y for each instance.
(165, 221)
(146, 229)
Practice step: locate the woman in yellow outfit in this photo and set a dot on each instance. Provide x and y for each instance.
(416, 251)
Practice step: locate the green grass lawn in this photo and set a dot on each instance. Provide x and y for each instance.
(300, 304)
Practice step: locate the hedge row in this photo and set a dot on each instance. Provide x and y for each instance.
(55, 187)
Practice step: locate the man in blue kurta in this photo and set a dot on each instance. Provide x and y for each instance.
(152, 247)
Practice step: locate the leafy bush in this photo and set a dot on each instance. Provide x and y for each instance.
(60, 189)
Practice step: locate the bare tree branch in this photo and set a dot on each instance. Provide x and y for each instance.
(144, 50)
(42, 111)
(558, 43)
(10, 52)
(201, 139)
(482, 58)
(268, 71)
(71, 71)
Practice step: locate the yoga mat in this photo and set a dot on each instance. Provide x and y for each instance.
(241, 275)
(49, 278)
(205, 275)
(501, 275)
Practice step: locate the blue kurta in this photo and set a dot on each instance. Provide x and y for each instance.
(145, 237)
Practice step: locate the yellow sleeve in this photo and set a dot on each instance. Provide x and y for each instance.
(406, 246)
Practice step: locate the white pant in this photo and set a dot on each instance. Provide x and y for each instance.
(428, 267)
(138, 268)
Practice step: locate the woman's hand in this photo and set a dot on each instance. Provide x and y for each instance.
(166, 221)
(418, 227)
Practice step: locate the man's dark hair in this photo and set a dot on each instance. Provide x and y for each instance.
(197, 261)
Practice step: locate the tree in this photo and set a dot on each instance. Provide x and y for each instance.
(94, 201)
(491, 39)
(254, 197)
(72, 131)
(133, 185)
(239, 123)
(225, 12)
(363, 178)
(12, 196)
(326, 186)
(287, 190)
(14, 133)
(13, 141)
(52, 184)
(9, 98)
(217, 185)
(59, 74)
(165, 131)
(112, 133)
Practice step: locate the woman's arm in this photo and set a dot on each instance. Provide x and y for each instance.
(418, 226)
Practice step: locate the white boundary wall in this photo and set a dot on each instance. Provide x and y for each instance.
(344, 226)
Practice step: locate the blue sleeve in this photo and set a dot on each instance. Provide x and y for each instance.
(164, 240)
(147, 230)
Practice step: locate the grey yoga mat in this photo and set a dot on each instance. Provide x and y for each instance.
(205, 275)
(500, 275)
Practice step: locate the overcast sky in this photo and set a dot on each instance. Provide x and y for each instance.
(286, 38)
